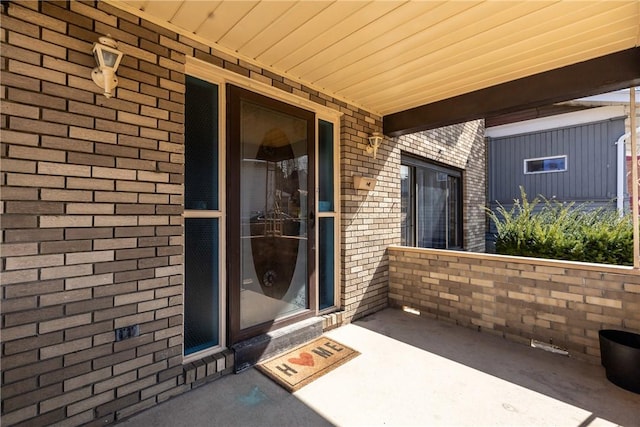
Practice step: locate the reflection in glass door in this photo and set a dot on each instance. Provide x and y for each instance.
(270, 152)
(273, 208)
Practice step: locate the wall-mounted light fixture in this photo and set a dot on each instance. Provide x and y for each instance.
(108, 58)
(375, 140)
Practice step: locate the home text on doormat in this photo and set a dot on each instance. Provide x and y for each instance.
(298, 367)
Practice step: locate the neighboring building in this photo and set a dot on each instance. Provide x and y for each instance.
(574, 153)
(151, 239)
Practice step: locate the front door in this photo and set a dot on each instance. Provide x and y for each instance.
(271, 207)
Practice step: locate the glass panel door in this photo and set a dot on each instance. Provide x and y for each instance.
(273, 210)
(272, 149)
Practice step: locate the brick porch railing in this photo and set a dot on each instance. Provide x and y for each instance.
(559, 302)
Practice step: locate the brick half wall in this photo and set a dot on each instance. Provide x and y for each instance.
(559, 302)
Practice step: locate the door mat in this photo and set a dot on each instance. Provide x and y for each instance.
(298, 367)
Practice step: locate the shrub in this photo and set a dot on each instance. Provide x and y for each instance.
(563, 231)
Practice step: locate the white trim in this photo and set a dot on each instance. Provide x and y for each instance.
(557, 121)
(209, 72)
(563, 156)
(634, 178)
(616, 97)
(620, 174)
(194, 213)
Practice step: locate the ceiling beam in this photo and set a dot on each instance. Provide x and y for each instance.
(604, 74)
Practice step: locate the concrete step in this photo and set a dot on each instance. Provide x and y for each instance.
(250, 352)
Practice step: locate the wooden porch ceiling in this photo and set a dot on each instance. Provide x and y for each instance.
(389, 57)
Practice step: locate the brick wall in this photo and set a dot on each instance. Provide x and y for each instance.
(565, 303)
(371, 219)
(368, 221)
(92, 203)
(461, 146)
(91, 225)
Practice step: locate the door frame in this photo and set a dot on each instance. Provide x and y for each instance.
(222, 77)
(234, 95)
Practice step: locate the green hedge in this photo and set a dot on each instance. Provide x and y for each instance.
(563, 231)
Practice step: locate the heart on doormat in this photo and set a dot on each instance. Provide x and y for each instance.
(305, 359)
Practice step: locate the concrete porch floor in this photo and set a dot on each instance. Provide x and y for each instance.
(414, 371)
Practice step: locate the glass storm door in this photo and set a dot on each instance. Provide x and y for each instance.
(271, 213)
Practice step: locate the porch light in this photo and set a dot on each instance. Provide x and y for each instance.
(108, 58)
(374, 142)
